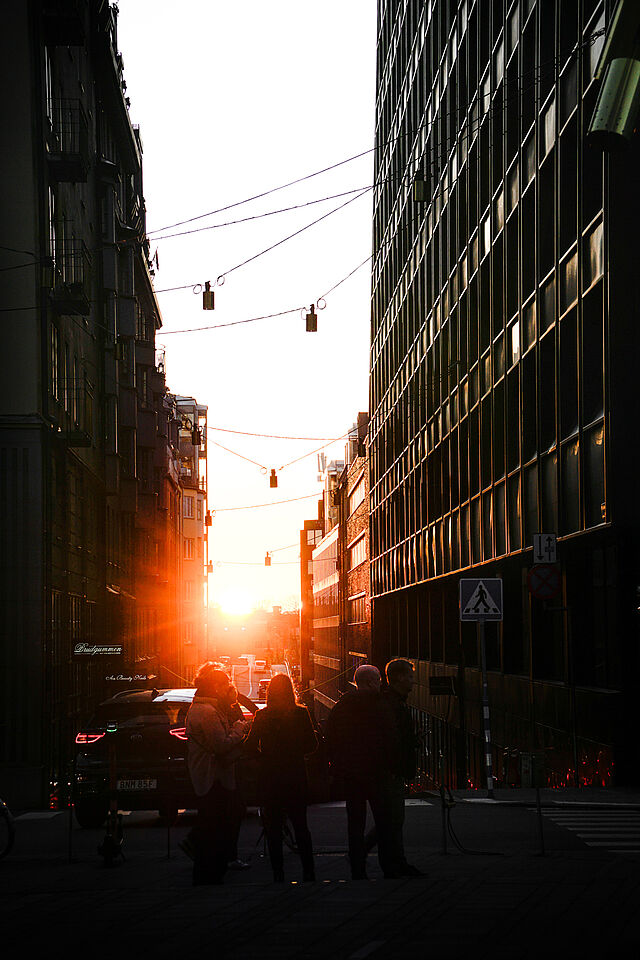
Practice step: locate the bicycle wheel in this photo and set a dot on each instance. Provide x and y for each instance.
(7, 830)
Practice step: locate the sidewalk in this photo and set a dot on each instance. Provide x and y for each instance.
(503, 902)
(526, 796)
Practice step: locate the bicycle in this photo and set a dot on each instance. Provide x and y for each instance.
(7, 830)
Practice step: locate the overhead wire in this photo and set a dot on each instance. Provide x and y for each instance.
(270, 436)
(552, 61)
(256, 506)
(240, 455)
(265, 193)
(258, 216)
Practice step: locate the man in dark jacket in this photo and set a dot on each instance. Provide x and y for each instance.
(400, 681)
(360, 736)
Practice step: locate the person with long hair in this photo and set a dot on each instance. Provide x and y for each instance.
(214, 746)
(282, 735)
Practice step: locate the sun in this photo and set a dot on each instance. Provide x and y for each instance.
(237, 603)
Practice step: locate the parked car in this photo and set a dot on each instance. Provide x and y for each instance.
(137, 741)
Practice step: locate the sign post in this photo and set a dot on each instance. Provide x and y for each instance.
(481, 600)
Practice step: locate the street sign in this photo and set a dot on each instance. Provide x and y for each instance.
(481, 599)
(544, 547)
(545, 581)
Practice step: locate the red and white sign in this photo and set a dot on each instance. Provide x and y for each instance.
(545, 581)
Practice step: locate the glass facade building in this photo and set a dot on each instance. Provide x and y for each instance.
(501, 380)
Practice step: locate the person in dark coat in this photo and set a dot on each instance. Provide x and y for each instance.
(282, 735)
(360, 735)
(400, 681)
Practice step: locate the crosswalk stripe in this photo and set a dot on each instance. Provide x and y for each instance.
(614, 830)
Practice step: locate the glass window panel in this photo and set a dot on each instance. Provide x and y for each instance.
(487, 526)
(529, 319)
(529, 160)
(547, 304)
(530, 503)
(568, 282)
(550, 493)
(548, 130)
(514, 513)
(512, 188)
(569, 90)
(570, 487)
(594, 499)
(499, 520)
(593, 256)
(514, 342)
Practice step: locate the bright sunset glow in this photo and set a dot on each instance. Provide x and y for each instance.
(237, 603)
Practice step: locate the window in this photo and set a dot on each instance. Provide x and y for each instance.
(357, 494)
(357, 552)
(188, 548)
(199, 510)
(187, 507)
(188, 589)
(357, 611)
(593, 265)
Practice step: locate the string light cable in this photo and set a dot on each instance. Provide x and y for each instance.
(197, 288)
(256, 506)
(553, 61)
(270, 436)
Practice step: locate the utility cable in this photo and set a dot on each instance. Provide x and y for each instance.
(233, 323)
(270, 436)
(257, 216)
(317, 450)
(297, 233)
(255, 506)
(241, 456)
(266, 193)
(588, 41)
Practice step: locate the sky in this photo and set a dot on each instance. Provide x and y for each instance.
(233, 100)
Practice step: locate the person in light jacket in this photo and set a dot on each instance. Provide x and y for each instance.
(214, 746)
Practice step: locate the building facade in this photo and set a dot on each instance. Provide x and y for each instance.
(196, 523)
(355, 596)
(90, 485)
(503, 342)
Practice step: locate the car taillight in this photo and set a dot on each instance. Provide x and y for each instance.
(179, 732)
(88, 737)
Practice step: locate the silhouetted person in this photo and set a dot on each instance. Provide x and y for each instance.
(282, 735)
(360, 735)
(214, 745)
(400, 681)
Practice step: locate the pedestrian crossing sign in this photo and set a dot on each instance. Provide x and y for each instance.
(481, 599)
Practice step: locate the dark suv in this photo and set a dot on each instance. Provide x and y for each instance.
(135, 744)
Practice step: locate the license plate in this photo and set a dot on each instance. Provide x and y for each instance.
(137, 784)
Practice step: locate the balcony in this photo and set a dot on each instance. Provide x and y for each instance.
(68, 142)
(70, 291)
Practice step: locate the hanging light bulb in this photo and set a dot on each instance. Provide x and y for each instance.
(207, 297)
(273, 480)
(267, 559)
(312, 320)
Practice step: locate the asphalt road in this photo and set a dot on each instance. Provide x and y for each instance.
(492, 896)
